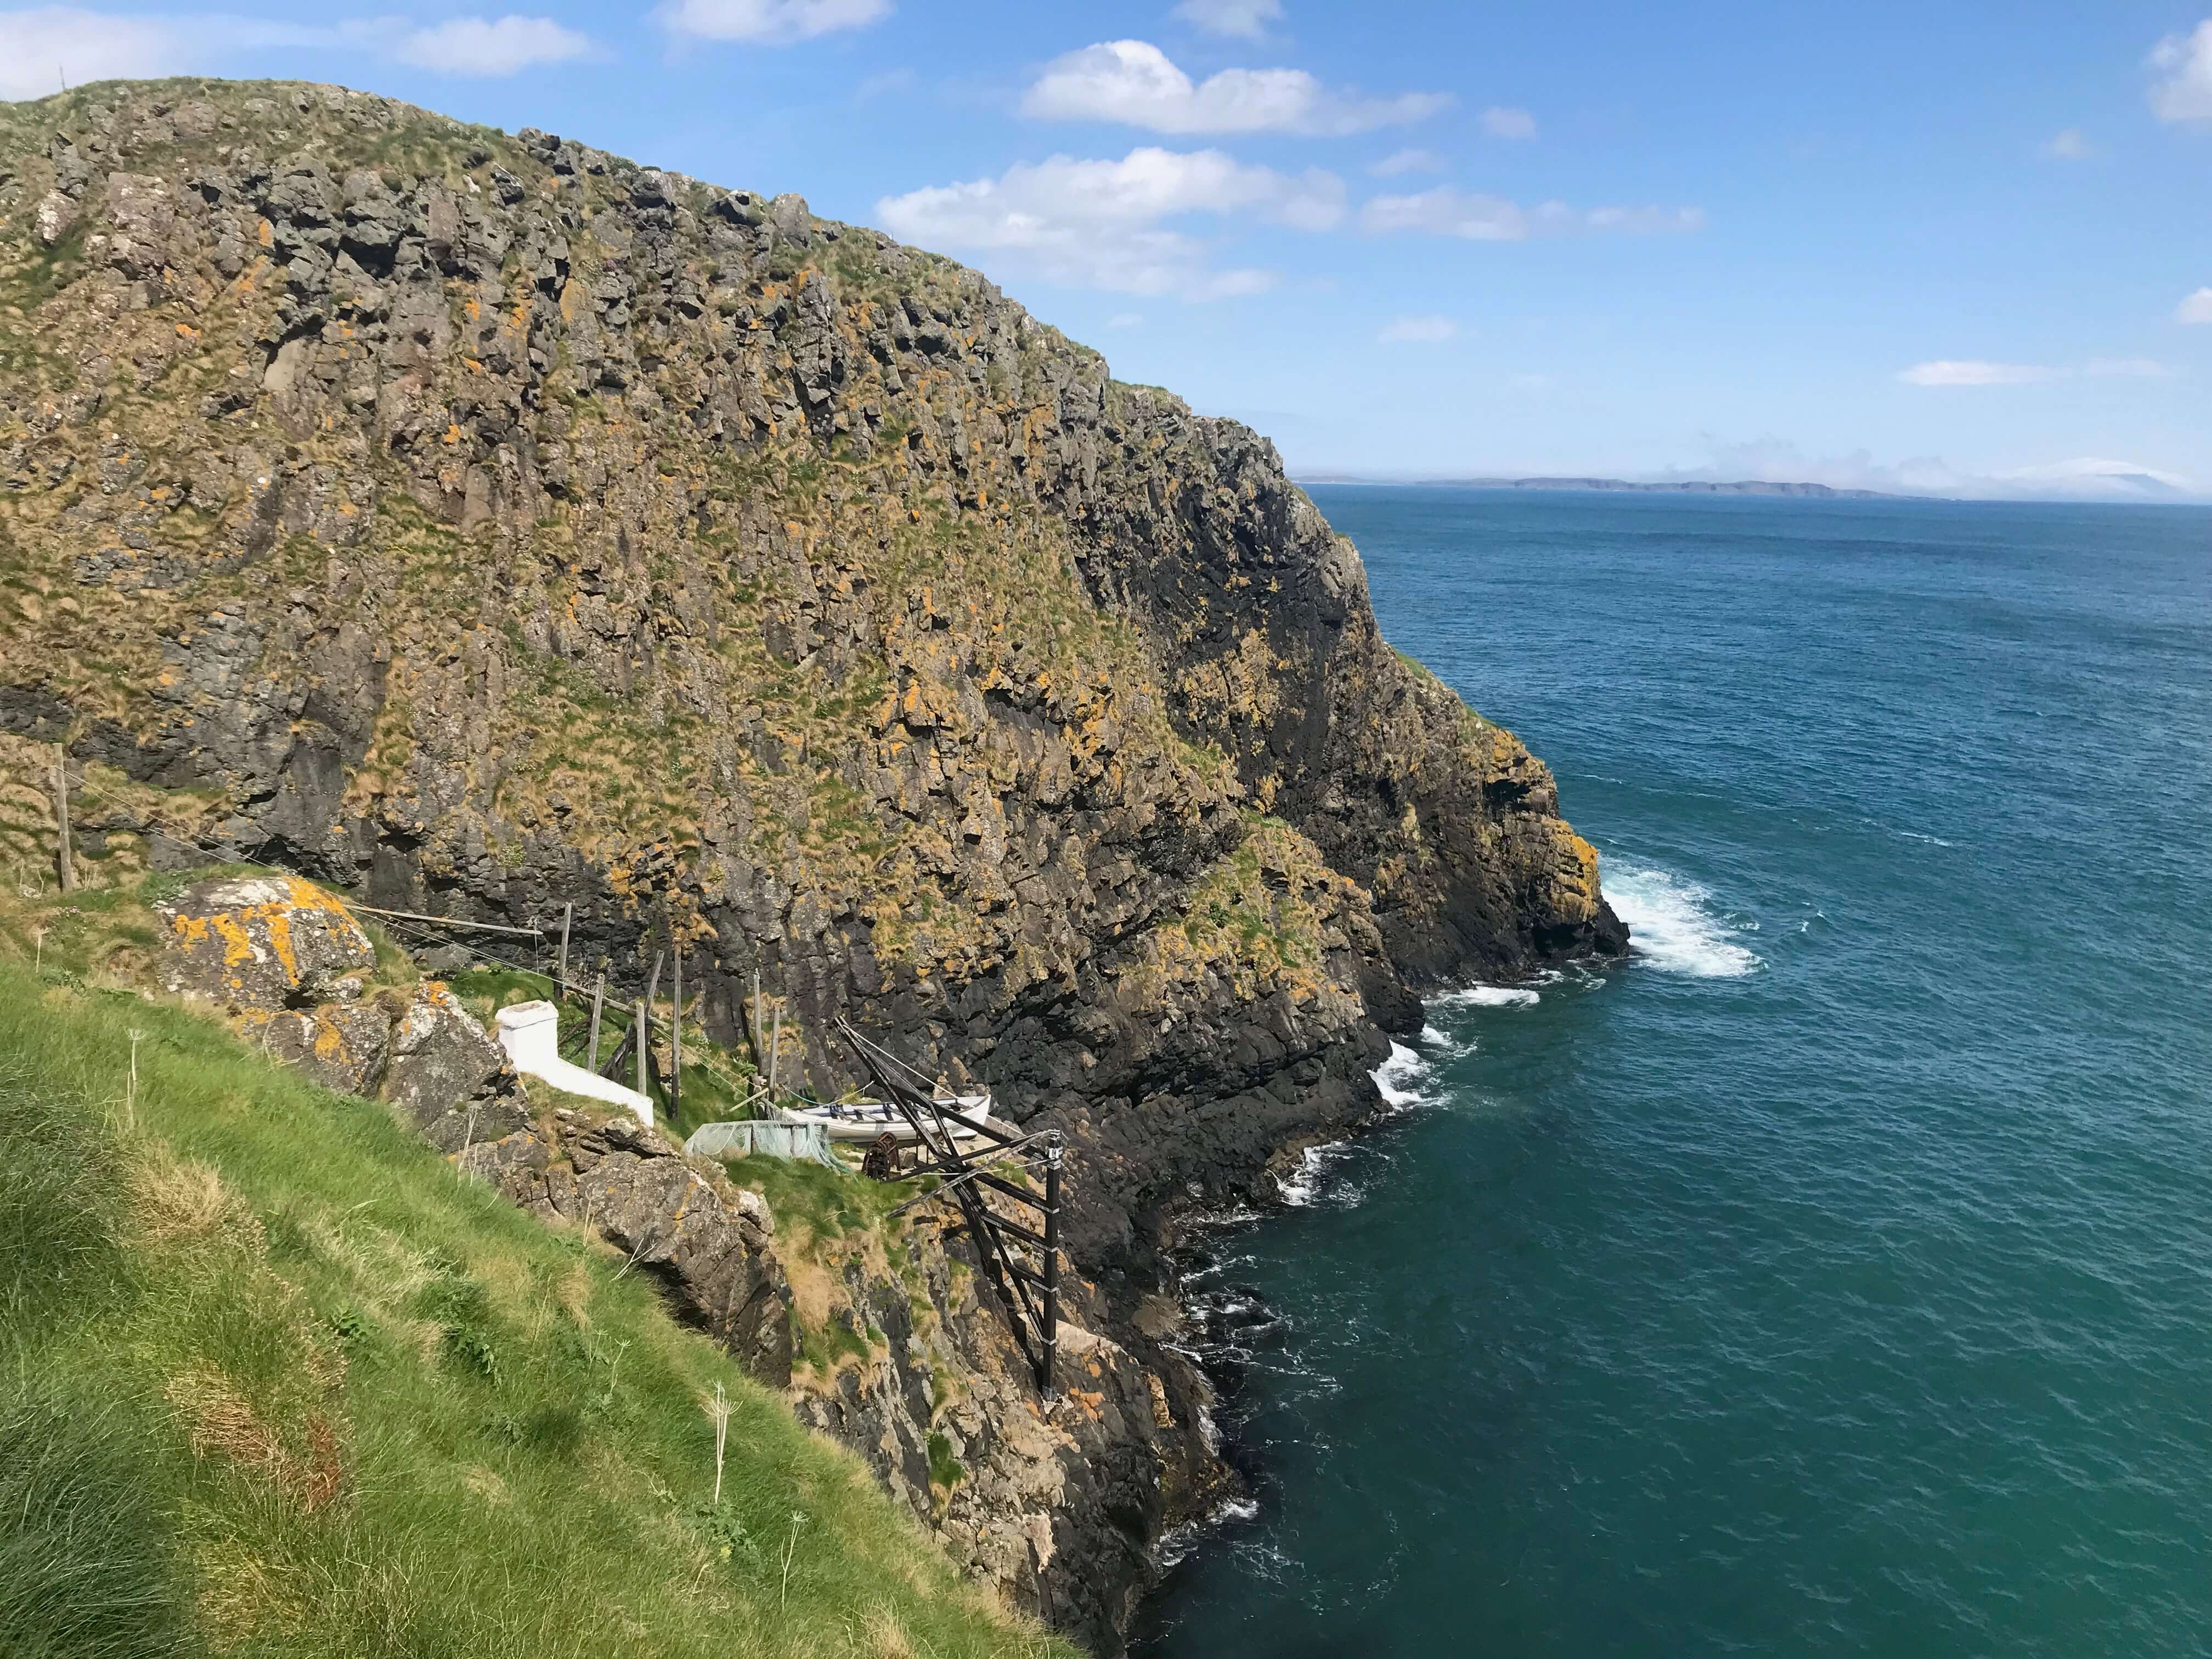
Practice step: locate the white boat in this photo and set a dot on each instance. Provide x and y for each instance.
(865, 1119)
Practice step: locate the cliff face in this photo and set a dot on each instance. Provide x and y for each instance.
(487, 524)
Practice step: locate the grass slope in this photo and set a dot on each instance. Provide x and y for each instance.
(275, 1381)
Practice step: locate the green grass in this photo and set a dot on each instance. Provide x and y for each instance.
(944, 1469)
(822, 1202)
(273, 1381)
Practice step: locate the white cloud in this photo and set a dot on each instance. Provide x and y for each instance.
(769, 22)
(1502, 122)
(2127, 368)
(1101, 224)
(1407, 160)
(1246, 19)
(52, 43)
(2182, 65)
(1952, 372)
(2069, 145)
(1968, 372)
(902, 79)
(1125, 319)
(44, 45)
(1445, 211)
(1419, 331)
(2196, 308)
(473, 45)
(1134, 82)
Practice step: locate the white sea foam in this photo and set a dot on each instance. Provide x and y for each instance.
(1489, 996)
(1302, 1187)
(1401, 1077)
(1907, 834)
(1178, 1543)
(1672, 924)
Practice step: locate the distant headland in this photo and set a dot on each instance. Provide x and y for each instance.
(1670, 487)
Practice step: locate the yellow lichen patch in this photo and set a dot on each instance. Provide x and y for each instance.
(329, 1042)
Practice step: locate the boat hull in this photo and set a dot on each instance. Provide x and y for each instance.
(870, 1121)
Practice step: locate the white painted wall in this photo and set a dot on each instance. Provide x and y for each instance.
(531, 1034)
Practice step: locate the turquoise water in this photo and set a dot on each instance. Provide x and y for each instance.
(1835, 1277)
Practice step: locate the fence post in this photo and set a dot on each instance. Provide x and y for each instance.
(567, 915)
(643, 1033)
(61, 816)
(598, 1001)
(775, 1049)
(676, 1037)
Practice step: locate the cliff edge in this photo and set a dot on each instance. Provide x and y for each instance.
(486, 524)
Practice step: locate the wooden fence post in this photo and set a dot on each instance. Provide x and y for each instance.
(644, 1035)
(61, 816)
(567, 915)
(598, 1001)
(676, 1037)
(774, 1048)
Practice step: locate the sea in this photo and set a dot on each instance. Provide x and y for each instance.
(1833, 1276)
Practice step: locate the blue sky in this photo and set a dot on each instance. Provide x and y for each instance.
(1955, 245)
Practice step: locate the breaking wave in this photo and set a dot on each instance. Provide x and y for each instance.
(1488, 996)
(1672, 924)
(1402, 1078)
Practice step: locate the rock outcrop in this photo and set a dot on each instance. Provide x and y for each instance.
(262, 950)
(262, 942)
(706, 1244)
(487, 524)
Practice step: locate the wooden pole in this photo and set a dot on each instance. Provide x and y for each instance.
(676, 1039)
(598, 1001)
(760, 1049)
(1051, 1346)
(61, 816)
(567, 915)
(775, 1049)
(644, 1035)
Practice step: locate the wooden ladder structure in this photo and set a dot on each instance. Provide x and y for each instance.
(1029, 1293)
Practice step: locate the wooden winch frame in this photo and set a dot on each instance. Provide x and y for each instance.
(1004, 1243)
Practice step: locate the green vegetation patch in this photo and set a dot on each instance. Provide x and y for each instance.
(275, 1379)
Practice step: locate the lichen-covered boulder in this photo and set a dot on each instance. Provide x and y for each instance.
(448, 1077)
(261, 941)
(340, 1045)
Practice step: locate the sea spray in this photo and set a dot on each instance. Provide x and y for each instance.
(1672, 924)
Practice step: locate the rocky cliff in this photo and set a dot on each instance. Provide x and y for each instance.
(485, 524)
